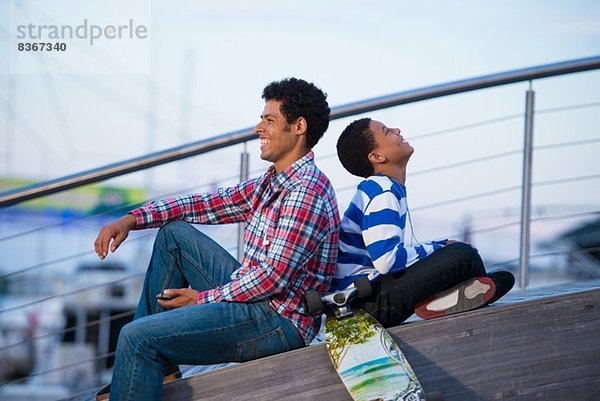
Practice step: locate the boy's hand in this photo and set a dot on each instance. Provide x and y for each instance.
(113, 234)
(178, 297)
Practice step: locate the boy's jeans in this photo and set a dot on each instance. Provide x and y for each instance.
(192, 335)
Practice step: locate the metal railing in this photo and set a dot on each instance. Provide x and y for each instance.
(15, 196)
(18, 195)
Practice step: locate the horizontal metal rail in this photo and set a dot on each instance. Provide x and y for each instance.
(468, 85)
(37, 190)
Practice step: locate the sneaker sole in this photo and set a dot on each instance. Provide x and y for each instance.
(169, 378)
(465, 296)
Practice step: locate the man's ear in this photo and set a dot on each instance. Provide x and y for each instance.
(300, 126)
(376, 158)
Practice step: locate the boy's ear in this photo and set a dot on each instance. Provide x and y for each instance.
(376, 158)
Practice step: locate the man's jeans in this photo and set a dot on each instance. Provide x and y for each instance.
(396, 295)
(193, 335)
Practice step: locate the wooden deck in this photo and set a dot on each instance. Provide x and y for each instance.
(546, 348)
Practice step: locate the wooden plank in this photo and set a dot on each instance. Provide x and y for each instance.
(547, 348)
(304, 374)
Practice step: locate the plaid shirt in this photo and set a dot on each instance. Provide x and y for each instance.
(291, 237)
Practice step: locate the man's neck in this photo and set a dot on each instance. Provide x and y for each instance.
(283, 164)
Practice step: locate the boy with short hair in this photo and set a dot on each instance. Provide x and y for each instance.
(430, 279)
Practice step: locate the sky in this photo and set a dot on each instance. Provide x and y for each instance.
(201, 69)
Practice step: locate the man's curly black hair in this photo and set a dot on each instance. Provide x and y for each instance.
(301, 99)
(353, 148)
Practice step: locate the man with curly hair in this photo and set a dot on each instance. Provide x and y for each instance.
(212, 308)
(434, 278)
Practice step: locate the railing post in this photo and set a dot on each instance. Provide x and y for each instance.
(80, 321)
(103, 332)
(244, 166)
(526, 188)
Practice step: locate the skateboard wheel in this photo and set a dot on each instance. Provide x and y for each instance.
(363, 287)
(434, 396)
(314, 304)
(339, 298)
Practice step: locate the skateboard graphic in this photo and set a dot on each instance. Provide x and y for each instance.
(365, 356)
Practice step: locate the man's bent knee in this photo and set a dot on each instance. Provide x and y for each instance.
(176, 227)
(180, 229)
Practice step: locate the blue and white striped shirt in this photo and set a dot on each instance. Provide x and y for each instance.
(372, 234)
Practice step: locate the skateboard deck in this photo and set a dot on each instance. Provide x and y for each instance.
(368, 360)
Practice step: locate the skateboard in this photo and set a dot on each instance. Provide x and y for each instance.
(365, 356)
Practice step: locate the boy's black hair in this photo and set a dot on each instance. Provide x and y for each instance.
(301, 99)
(353, 148)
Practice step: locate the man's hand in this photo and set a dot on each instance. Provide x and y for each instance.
(113, 234)
(179, 297)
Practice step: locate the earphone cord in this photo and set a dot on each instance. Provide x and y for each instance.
(413, 238)
(412, 230)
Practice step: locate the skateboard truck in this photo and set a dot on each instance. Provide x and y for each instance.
(340, 300)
